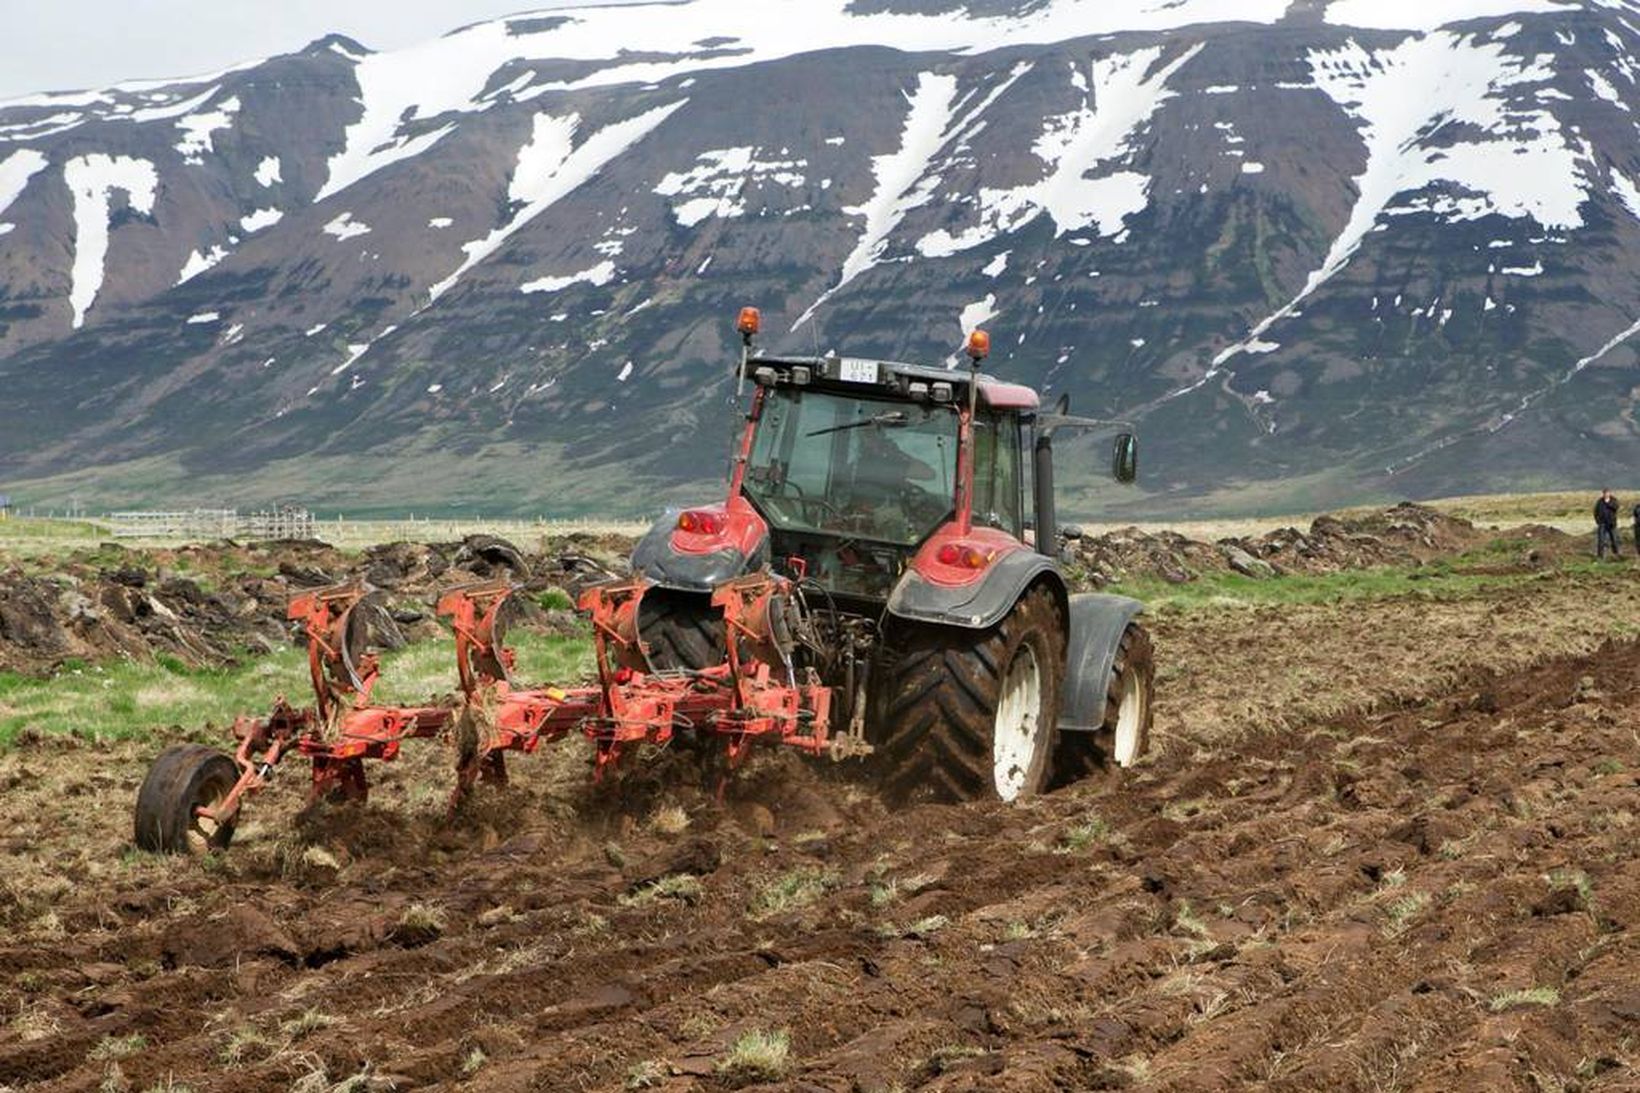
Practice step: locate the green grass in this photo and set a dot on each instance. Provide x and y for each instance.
(124, 700)
(792, 890)
(1535, 996)
(1444, 580)
(759, 1056)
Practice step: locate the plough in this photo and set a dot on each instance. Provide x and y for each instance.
(193, 795)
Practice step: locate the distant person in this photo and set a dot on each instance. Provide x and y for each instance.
(1605, 525)
(1637, 528)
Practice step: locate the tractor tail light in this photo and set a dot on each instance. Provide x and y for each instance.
(963, 556)
(696, 522)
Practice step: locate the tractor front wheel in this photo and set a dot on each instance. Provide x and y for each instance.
(1124, 734)
(184, 779)
(972, 715)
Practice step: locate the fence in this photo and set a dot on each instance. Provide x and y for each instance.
(286, 523)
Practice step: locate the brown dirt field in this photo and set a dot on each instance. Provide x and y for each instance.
(1381, 845)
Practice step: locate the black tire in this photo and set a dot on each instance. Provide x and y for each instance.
(1132, 680)
(682, 629)
(937, 699)
(183, 778)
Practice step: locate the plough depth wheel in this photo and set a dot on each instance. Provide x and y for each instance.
(183, 780)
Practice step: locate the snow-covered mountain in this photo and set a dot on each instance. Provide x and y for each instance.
(1319, 249)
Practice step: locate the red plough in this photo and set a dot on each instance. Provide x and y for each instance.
(193, 795)
(741, 701)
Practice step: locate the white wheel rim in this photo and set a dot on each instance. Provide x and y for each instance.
(1130, 715)
(1014, 739)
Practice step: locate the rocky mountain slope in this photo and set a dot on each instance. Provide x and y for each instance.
(1320, 250)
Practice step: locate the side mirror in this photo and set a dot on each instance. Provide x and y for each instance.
(1124, 465)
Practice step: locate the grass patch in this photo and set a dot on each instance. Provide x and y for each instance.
(680, 886)
(1533, 996)
(788, 892)
(1402, 911)
(1576, 879)
(922, 928)
(1083, 835)
(118, 1047)
(1187, 921)
(645, 1075)
(129, 700)
(758, 1055)
(1440, 580)
(308, 1021)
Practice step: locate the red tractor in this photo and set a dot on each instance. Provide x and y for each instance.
(911, 508)
(883, 579)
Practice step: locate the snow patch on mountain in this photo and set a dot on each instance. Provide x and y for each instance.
(269, 171)
(15, 172)
(978, 313)
(196, 130)
(261, 218)
(549, 169)
(716, 185)
(91, 181)
(601, 274)
(345, 227)
(200, 261)
(1124, 92)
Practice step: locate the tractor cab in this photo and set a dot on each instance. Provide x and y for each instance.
(855, 464)
(878, 482)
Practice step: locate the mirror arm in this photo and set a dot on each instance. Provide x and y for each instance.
(1049, 423)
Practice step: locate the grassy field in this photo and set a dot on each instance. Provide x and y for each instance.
(124, 700)
(22, 536)
(36, 535)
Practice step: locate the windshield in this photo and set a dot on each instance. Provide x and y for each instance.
(852, 466)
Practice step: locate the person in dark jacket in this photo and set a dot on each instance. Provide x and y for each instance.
(1605, 524)
(1637, 529)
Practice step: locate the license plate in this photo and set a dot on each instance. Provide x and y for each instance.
(852, 371)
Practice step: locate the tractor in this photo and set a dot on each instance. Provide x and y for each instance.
(912, 509)
(883, 580)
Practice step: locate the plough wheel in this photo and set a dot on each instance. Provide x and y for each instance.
(184, 778)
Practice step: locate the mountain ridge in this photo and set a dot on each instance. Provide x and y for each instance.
(1319, 263)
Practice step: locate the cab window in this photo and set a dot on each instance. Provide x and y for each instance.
(997, 483)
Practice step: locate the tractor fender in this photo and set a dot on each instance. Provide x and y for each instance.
(978, 605)
(1097, 623)
(657, 557)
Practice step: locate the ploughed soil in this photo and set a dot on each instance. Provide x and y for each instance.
(215, 604)
(1379, 845)
(219, 603)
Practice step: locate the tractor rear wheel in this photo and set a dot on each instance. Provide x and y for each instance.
(972, 715)
(683, 629)
(184, 778)
(1124, 735)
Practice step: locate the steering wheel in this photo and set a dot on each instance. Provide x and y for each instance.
(920, 507)
(827, 508)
